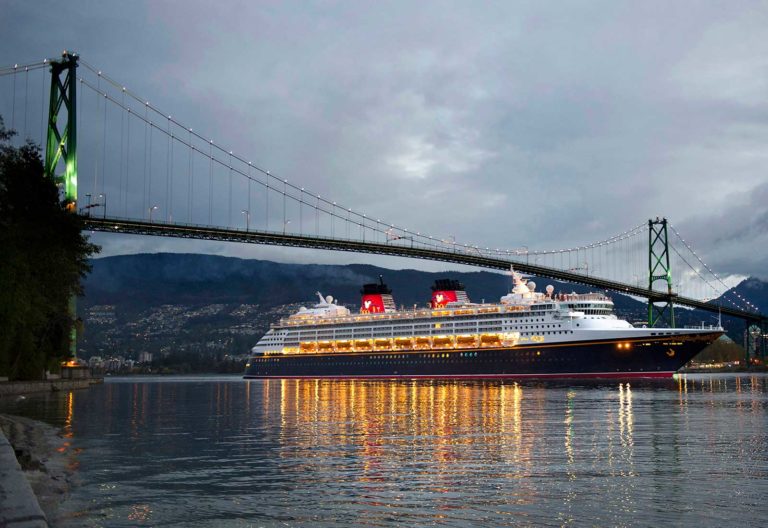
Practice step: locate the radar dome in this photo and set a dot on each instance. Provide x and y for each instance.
(303, 309)
(329, 299)
(550, 289)
(531, 285)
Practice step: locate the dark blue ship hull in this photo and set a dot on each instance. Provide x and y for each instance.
(658, 357)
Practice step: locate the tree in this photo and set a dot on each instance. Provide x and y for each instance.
(43, 258)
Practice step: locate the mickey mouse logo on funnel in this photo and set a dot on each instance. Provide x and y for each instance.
(376, 298)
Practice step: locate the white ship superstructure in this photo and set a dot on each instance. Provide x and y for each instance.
(522, 317)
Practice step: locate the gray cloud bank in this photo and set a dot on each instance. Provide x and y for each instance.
(546, 124)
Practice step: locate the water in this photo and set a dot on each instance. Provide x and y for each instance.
(220, 451)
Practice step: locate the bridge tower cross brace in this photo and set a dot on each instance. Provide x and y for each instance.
(61, 147)
(659, 269)
(62, 141)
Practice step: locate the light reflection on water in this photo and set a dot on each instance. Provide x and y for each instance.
(222, 451)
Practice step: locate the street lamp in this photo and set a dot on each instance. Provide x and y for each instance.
(247, 218)
(153, 208)
(285, 225)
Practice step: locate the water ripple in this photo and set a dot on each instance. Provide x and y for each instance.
(227, 452)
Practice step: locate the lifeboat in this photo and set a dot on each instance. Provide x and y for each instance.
(382, 344)
(343, 346)
(466, 341)
(325, 346)
(442, 342)
(362, 345)
(422, 343)
(403, 343)
(308, 346)
(490, 340)
(510, 338)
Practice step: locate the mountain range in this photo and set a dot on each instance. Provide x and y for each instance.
(205, 304)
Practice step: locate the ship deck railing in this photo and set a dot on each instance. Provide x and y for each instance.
(298, 320)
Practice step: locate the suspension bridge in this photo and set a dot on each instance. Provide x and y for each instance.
(128, 167)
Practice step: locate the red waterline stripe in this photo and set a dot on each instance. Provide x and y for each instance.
(589, 375)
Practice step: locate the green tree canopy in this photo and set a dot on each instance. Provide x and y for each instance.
(43, 257)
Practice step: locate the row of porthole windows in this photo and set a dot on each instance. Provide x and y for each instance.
(545, 332)
(410, 358)
(535, 320)
(422, 361)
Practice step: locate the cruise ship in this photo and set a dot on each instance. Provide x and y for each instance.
(527, 334)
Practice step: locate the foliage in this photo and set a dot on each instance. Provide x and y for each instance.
(43, 258)
(721, 351)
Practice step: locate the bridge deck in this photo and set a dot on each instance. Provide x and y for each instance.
(401, 249)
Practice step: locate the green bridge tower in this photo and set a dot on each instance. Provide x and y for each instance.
(659, 269)
(61, 148)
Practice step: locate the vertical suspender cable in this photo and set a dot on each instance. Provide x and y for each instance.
(190, 179)
(210, 184)
(42, 109)
(144, 173)
(127, 163)
(230, 191)
(170, 178)
(26, 99)
(104, 149)
(120, 189)
(13, 103)
(96, 159)
(149, 169)
(168, 170)
(78, 114)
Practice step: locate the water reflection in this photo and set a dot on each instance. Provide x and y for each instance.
(442, 422)
(302, 452)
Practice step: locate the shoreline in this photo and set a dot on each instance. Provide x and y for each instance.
(15, 388)
(723, 370)
(41, 478)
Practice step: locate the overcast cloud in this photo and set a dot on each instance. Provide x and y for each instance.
(545, 124)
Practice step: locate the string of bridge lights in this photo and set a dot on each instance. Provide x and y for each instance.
(362, 223)
(702, 277)
(629, 233)
(736, 294)
(362, 220)
(18, 69)
(331, 208)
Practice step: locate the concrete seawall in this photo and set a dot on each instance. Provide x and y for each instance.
(9, 388)
(19, 507)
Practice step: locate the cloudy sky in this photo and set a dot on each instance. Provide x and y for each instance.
(544, 124)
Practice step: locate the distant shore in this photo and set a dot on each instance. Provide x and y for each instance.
(723, 370)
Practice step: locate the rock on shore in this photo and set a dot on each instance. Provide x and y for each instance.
(40, 450)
